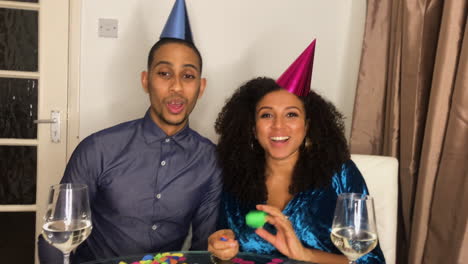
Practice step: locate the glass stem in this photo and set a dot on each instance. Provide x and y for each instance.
(352, 262)
(66, 258)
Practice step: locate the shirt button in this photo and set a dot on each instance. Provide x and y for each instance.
(167, 140)
(158, 196)
(154, 227)
(163, 163)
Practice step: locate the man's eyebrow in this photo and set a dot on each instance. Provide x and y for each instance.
(191, 66)
(170, 64)
(161, 62)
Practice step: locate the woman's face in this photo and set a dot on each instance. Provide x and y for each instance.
(280, 125)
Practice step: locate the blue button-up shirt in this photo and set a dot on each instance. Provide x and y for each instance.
(145, 188)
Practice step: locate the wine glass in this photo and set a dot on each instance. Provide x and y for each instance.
(67, 221)
(354, 231)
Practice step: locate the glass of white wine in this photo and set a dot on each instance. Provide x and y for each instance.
(67, 221)
(354, 231)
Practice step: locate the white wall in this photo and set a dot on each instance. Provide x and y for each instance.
(238, 40)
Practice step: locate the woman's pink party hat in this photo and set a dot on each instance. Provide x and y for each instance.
(296, 79)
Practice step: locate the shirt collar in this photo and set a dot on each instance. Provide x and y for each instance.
(152, 132)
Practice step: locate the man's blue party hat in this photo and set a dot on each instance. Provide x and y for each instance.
(178, 25)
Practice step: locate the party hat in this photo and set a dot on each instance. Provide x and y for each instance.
(177, 25)
(296, 79)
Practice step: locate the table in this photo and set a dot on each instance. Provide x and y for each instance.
(203, 257)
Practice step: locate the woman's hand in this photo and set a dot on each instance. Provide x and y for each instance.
(285, 239)
(223, 244)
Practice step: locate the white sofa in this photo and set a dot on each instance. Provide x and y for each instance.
(381, 175)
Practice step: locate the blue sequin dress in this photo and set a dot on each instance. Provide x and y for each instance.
(310, 212)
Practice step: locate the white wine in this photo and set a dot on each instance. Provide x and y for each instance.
(352, 244)
(66, 236)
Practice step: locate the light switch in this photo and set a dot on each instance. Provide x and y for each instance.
(108, 28)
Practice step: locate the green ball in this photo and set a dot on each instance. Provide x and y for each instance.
(255, 219)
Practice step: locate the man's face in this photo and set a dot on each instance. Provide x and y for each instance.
(174, 84)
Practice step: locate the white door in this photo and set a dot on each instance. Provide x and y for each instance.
(33, 84)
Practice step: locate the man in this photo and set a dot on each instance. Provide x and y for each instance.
(151, 178)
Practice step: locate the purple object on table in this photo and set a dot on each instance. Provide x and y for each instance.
(147, 257)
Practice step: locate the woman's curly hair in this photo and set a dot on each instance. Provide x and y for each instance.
(243, 159)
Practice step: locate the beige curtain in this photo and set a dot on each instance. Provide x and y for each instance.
(412, 103)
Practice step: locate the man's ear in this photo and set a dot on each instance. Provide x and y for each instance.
(202, 87)
(144, 81)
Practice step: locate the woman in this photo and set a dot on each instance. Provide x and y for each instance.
(285, 155)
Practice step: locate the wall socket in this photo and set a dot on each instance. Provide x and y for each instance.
(108, 28)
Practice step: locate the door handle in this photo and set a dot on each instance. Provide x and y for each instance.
(45, 121)
(54, 122)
